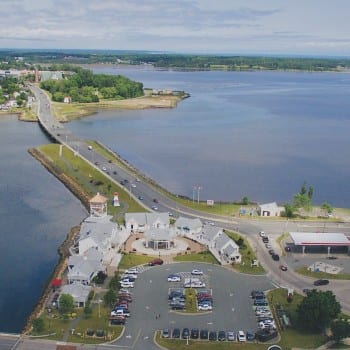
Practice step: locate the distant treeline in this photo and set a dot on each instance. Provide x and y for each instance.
(175, 61)
(84, 86)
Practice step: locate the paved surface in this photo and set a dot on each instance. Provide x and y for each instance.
(232, 303)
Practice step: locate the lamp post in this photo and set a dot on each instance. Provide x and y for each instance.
(198, 189)
(193, 190)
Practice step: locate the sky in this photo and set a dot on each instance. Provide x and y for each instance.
(282, 27)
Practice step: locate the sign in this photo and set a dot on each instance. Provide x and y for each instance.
(210, 202)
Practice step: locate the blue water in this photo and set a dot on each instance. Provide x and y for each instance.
(255, 134)
(36, 213)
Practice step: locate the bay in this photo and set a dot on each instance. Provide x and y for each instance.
(255, 134)
(36, 213)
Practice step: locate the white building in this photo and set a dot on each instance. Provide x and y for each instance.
(191, 228)
(270, 209)
(79, 293)
(140, 222)
(160, 238)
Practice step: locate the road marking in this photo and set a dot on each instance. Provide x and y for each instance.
(172, 322)
(231, 294)
(146, 337)
(147, 307)
(233, 309)
(209, 322)
(150, 281)
(128, 336)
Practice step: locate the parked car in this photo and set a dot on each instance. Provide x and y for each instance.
(222, 336)
(197, 272)
(255, 293)
(174, 278)
(154, 207)
(165, 333)
(185, 333)
(155, 200)
(261, 302)
(321, 282)
(204, 334)
(140, 198)
(241, 337)
(156, 262)
(262, 234)
(176, 333)
(213, 335)
(127, 284)
(205, 307)
(194, 333)
(250, 336)
(231, 336)
(132, 271)
(283, 267)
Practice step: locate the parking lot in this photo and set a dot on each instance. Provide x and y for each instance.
(233, 306)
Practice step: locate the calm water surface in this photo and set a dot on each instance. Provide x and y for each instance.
(255, 134)
(36, 213)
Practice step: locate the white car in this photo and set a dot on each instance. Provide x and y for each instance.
(132, 271)
(231, 336)
(174, 278)
(127, 284)
(262, 234)
(104, 168)
(241, 336)
(197, 272)
(127, 275)
(205, 307)
(133, 185)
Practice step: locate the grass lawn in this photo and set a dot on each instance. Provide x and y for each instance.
(56, 326)
(200, 257)
(247, 256)
(131, 260)
(90, 179)
(322, 275)
(191, 300)
(292, 337)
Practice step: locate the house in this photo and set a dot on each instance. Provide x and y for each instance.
(140, 222)
(191, 228)
(99, 233)
(159, 238)
(225, 250)
(270, 209)
(79, 292)
(67, 99)
(82, 270)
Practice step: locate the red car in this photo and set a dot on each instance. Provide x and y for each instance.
(156, 262)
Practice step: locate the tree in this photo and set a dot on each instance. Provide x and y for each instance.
(310, 192)
(109, 298)
(317, 310)
(289, 210)
(301, 201)
(340, 330)
(327, 208)
(245, 200)
(66, 303)
(38, 325)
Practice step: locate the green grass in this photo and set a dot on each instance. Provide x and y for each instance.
(206, 257)
(90, 179)
(131, 260)
(303, 270)
(293, 337)
(247, 256)
(191, 301)
(56, 326)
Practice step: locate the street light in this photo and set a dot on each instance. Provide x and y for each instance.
(198, 189)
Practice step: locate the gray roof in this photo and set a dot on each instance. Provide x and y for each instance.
(159, 234)
(85, 269)
(229, 250)
(147, 218)
(210, 231)
(222, 240)
(79, 292)
(192, 224)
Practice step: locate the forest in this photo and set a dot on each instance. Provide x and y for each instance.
(82, 85)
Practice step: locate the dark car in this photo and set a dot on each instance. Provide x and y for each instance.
(213, 335)
(118, 321)
(288, 249)
(222, 336)
(155, 200)
(194, 333)
(255, 293)
(260, 302)
(156, 262)
(176, 333)
(204, 333)
(321, 282)
(185, 333)
(275, 257)
(178, 306)
(250, 336)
